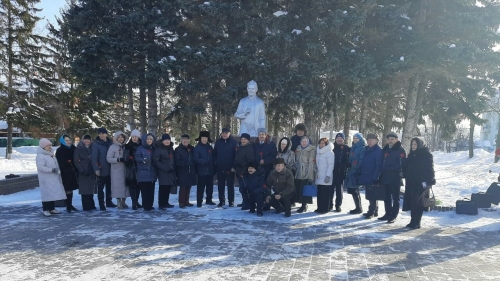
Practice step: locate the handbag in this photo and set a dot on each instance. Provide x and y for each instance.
(310, 190)
(173, 189)
(428, 202)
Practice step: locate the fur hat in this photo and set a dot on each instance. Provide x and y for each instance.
(372, 136)
(392, 135)
(102, 130)
(205, 134)
(245, 136)
(135, 133)
(300, 127)
(226, 130)
(165, 137)
(87, 137)
(251, 164)
(185, 136)
(340, 135)
(279, 161)
(44, 143)
(261, 130)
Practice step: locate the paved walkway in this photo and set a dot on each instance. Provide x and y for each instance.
(218, 244)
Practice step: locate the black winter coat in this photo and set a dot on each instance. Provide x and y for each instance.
(255, 183)
(266, 151)
(392, 164)
(282, 183)
(225, 154)
(341, 160)
(185, 166)
(203, 158)
(99, 155)
(244, 155)
(65, 156)
(83, 163)
(418, 168)
(130, 163)
(164, 161)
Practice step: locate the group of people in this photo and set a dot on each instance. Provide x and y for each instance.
(269, 175)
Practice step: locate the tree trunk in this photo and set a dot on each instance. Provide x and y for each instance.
(332, 123)
(471, 139)
(10, 84)
(347, 119)
(131, 112)
(363, 114)
(390, 108)
(412, 112)
(213, 118)
(497, 158)
(142, 97)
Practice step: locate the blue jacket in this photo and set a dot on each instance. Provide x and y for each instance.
(203, 158)
(266, 151)
(254, 183)
(146, 172)
(392, 165)
(370, 167)
(225, 154)
(99, 154)
(356, 156)
(185, 166)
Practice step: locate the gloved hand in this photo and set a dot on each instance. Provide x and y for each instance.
(55, 170)
(327, 179)
(424, 184)
(120, 159)
(97, 173)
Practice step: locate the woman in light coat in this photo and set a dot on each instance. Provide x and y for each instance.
(284, 152)
(49, 178)
(304, 160)
(116, 157)
(325, 161)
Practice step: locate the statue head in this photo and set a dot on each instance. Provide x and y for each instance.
(252, 88)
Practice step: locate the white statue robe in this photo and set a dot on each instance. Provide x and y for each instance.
(255, 119)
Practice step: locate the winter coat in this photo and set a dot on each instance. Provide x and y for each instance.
(146, 172)
(418, 168)
(118, 185)
(99, 154)
(287, 154)
(392, 164)
(369, 170)
(164, 162)
(255, 183)
(244, 155)
(130, 163)
(281, 182)
(304, 160)
(225, 154)
(325, 161)
(356, 155)
(185, 166)
(51, 187)
(341, 159)
(265, 151)
(69, 175)
(83, 163)
(203, 158)
(295, 140)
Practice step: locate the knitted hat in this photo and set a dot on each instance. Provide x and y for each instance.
(44, 143)
(165, 137)
(87, 137)
(340, 135)
(372, 136)
(245, 136)
(226, 130)
(391, 135)
(102, 130)
(205, 134)
(358, 135)
(279, 161)
(135, 133)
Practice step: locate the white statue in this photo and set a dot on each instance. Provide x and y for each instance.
(251, 112)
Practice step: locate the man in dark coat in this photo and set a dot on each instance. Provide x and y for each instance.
(186, 170)
(281, 180)
(102, 168)
(265, 152)
(390, 176)
(244, 155)
(255, 184)
(163, 160)
(370, 170)
(205, 168)
(300, 131)
(341, 151)
(86, 177)
(224, 156)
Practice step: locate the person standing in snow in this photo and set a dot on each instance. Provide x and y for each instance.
(305, 161)
(369, 170)
(146, 172)
(300, 131)
(244, 155)
(49, 178)
(341, 151)
(285, 152)
(102, 167)
(356, 155)
(163, 160)
(185, 170)
(325, 161)
(116, 157)
(86, 177)
(131, 168)
(65, 154)
(224, 157)
(418, 170)
(205, 168)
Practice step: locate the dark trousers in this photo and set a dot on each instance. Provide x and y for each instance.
(148, 195)
(244, 193)
(163, 195)
(184, 195)
(69, 201)
(284, 204)
(205, 184)
(356, 197)
(337, 191)
(104, 181)
(256, 199)
(373, 207)
(416, 207)
(323, 200)
(222, 178)
(48, 206)
(88, 202)
(134, 193)
(391, 202)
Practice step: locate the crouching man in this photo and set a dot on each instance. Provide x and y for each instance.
(255, 185)
(281, 181)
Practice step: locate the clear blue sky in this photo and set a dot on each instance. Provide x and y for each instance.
(50, 11)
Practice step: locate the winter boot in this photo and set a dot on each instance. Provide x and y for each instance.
(125, 206)
(119, 204)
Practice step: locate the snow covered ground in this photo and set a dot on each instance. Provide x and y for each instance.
(457, 177)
